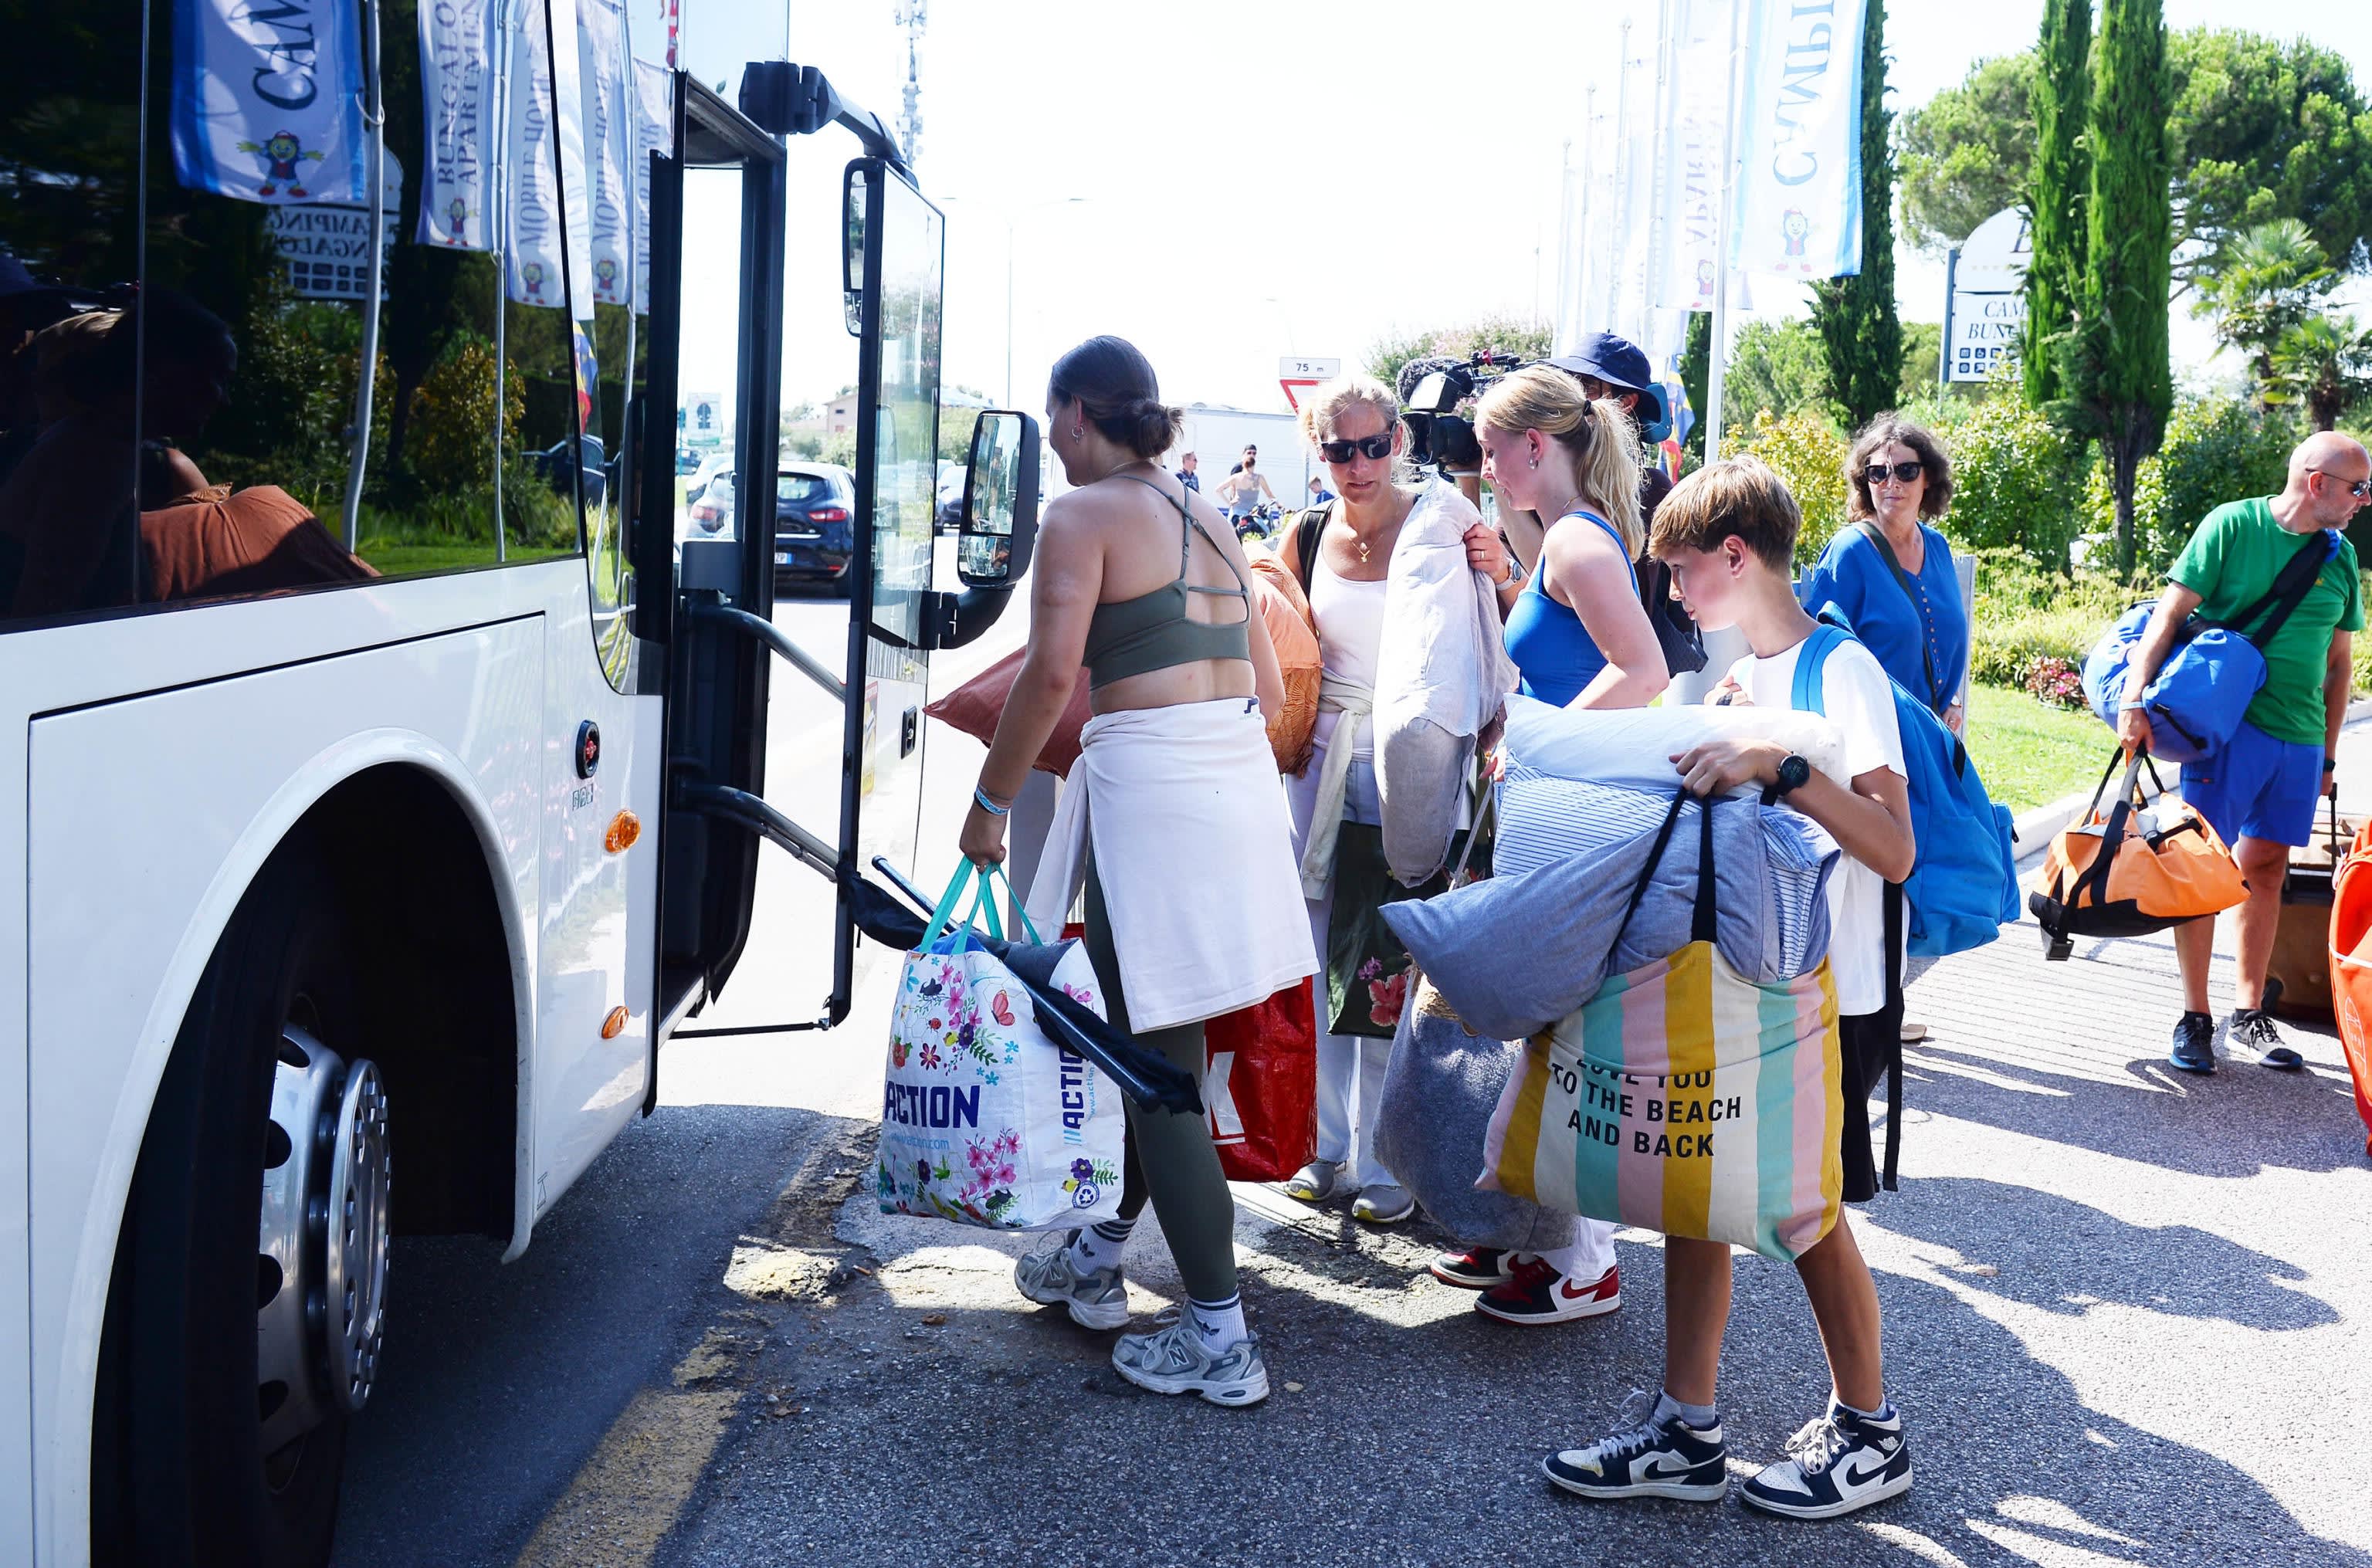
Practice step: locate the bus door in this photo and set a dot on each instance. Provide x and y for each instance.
(895, 249)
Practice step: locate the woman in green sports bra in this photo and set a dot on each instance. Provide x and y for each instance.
(1172, 819)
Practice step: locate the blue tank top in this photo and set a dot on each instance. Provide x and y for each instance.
(1553, 651)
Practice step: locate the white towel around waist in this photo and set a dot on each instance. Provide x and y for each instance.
(1193, 847)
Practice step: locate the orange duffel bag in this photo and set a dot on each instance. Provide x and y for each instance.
(2351, 967)
(2143, 867)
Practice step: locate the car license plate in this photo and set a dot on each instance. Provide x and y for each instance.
(782, 558)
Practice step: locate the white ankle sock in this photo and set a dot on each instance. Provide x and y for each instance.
(1219, 1324)
(1099, 1245)
(1700, 1417)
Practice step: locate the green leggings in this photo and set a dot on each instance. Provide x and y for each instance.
(1170, 1156)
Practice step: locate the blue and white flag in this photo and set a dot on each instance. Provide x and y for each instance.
(568, 124)
(266, 101)
(653, 132)
(533, 254)
(1798, 209)
(458, 129)
(609, 137)
(1688, 269)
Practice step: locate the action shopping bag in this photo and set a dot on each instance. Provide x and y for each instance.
(985, 1120)
(2141, 867)
(1683, 1098)
(1260, 1085)
(2351, 969)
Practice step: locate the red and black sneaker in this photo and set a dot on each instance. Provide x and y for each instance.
(1477, 1268)
(1537, 1292)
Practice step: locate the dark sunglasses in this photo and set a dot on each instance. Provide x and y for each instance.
(1907, 472)
(1375, 446)
(2361, 489)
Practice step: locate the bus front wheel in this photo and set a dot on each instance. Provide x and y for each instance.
(243, 1318)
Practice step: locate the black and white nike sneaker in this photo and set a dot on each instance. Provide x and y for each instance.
(1646, 1458)
(1836, 1464)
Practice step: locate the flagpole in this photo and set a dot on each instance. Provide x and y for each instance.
(1720, 355)
(1581, 218)
(1659, 177)
(374, 176)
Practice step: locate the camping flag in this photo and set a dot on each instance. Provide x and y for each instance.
(267, 102)
(1686, 267)
(653, 132)
(456, 102)
(568, 124)
(532, 253)
(1798, 209)
(609, 134)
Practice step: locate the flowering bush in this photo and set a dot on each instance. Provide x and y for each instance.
(2055, 682)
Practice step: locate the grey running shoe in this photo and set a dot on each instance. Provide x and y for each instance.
(1172, 1361)
(1315, 1182)
(1097, 1299)
(2251, 1028)
(1383, 1203)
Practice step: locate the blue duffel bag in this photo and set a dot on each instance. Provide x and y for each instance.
(2216, 669)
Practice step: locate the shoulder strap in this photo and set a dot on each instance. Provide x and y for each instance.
(1809, 690)
(1910, 591)
(2289, 591)
(1308, 528)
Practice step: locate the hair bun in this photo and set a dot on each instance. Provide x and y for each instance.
(1153, 425)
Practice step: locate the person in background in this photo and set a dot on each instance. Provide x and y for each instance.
(1186, 474)
(1728, 534)
(1891, 572)
(1243, 492)
(1613, 368)
(1891, 575)
(2259, 793)
(1173, 820)
(1580, 638)
(1353, 423)
(1319, 493)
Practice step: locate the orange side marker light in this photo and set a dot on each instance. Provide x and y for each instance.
(614, 1025)
(625, 828)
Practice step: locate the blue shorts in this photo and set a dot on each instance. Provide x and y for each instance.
(2257, 788)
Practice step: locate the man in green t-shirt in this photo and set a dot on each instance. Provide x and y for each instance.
(2260, 791)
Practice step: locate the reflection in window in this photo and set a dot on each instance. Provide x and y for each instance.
(905, 440)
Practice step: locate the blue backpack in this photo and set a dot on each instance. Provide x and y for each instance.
(1963, 887)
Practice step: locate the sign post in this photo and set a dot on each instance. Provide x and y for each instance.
(1984, 302)
(1297, 373)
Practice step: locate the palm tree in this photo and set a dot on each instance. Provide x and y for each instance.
(2271, 279)
(2324, 362)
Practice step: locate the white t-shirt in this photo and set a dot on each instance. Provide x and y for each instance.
(1860, 702)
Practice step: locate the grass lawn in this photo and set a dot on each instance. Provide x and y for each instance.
(395, 560)
(2030, 755)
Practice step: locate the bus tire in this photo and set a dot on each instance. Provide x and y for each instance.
(179, 1478)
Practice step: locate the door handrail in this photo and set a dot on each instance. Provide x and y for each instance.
(774, 637)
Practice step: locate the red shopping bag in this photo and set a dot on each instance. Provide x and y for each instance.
(1259, 1087)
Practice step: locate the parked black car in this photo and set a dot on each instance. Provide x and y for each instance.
(815, 511)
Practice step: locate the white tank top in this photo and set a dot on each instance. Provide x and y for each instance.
(1350, 617)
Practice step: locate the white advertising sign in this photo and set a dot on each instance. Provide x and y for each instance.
(1985, 312)
(1799, 141)
(1304, 367)
(458, 129)
(266, 104)
(326, 245)
(1688, 267)
(610, 118)
(532, 258)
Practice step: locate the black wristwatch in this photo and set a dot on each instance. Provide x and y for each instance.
(1794, 773)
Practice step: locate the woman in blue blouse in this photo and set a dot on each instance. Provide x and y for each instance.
(1891, 573)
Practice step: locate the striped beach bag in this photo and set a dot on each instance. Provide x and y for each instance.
(1683, 1098)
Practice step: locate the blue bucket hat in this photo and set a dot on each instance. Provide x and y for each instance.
(1618, 363)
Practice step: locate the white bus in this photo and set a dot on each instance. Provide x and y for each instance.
(379, 788)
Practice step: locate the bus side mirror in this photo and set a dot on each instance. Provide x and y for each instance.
(1000, 501)
(851, 256)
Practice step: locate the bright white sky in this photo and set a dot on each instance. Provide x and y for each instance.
(1259, 178)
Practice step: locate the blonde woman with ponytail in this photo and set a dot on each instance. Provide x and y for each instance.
(1565, 471)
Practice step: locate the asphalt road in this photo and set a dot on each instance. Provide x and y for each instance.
(2125, 1317)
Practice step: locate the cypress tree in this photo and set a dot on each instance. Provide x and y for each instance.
(1856, 315)
(1696, 371)
(2118, 381)
(2056, 190)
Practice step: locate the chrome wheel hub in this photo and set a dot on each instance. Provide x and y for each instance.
(321, 1246)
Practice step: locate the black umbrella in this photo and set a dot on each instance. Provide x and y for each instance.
(1145, 1077)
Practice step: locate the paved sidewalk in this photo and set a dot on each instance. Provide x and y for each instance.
(2125, 1316)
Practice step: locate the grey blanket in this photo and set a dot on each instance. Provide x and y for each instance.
(1512, 954)
(1439, 1092)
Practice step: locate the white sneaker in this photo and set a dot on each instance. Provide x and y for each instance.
(1172, 1361)
(1383, 1203)
(1096, 1299)
(1836, 1464)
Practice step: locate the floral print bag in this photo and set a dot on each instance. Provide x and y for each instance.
(984, 1120)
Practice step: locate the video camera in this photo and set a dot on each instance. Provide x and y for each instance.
(1434, 391)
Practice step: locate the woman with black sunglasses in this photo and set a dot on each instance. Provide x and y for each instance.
(1891, 573)
(1342, 553)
